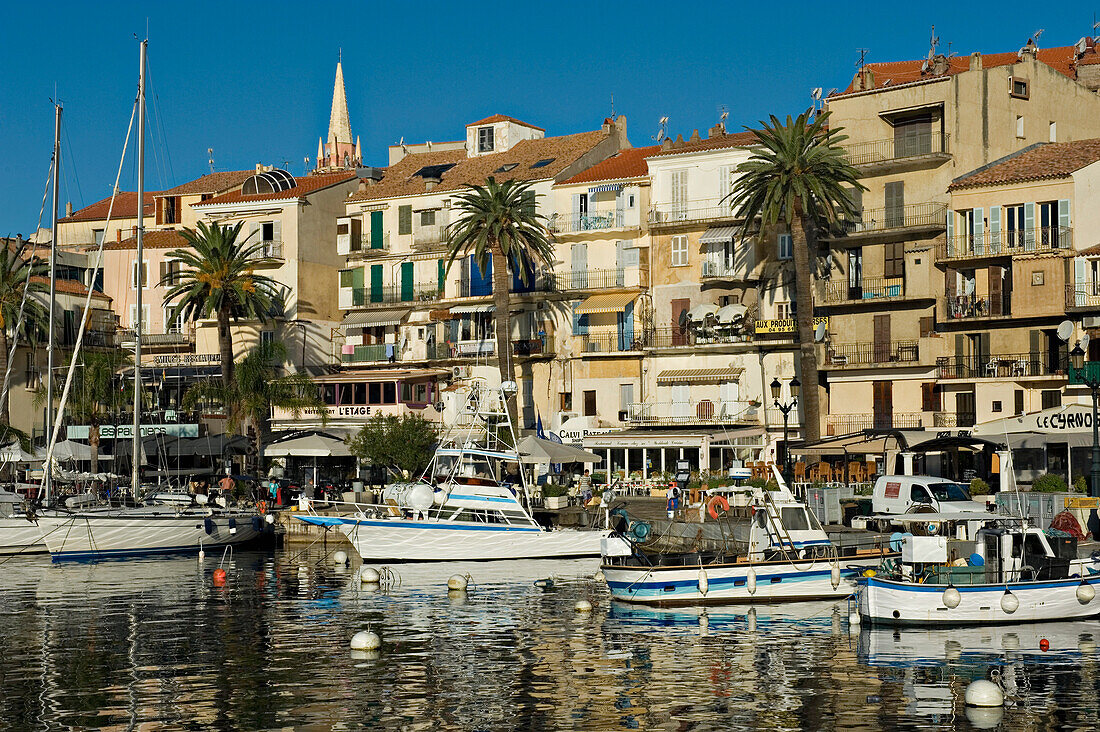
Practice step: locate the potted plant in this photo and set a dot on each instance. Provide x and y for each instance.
(555, 496)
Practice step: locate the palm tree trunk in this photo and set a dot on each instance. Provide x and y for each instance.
(5, 414)
(225, 346)
(804, 319)
(502, 285)
(93, 442)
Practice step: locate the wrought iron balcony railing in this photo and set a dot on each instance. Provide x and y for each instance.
(1005, 243)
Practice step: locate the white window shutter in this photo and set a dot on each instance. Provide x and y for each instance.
(1029, 225)
(1080, 288)
(994, 228)
(1064, 224)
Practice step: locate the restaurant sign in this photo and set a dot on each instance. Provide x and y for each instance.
(1056, 420)
(167, 360)
(126, 431)
(784, 325)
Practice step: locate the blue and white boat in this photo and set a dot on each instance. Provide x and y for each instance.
(789, 557)
(464, 507)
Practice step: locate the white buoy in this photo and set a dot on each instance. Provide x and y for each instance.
(582, 606)
(458, 582)
(202, 555)
(704, 583)
(982, 693)
(1009, 602)
(365, 640)
(985, 717)
(951, 597)
(1086, 593)
(1010, 642)
(834, 575)
(269, 518)
(750, 617)
(340, 557)
(853, 618)
(750, 582)
(369, 576)
(599, 576)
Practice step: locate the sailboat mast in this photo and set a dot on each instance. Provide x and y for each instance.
(47, 478)
(135, 480)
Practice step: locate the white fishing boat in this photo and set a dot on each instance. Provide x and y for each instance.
(463, 508)
(1009, 573)
(789, 557)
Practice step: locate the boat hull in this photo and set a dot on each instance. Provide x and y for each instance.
(90, 537)
(669, 586)
(424, 541)
(890, 602)
(20, 536)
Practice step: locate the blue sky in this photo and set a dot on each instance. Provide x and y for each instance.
(254, 81)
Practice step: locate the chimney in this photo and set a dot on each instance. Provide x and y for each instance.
(608, 125)
(68, 208)
(1030, 49)
(430, 183)
(940, 64)
(975, 61)
(867, 78)
(694, 136)
(666, 144)
(679, 141)
(133, 232)
(717, 131)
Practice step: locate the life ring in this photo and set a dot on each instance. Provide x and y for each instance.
(261, 506)
(715, 503)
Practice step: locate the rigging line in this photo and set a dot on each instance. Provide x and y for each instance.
(26, 288)
(160, 124)
(72, 165)
(88, 298)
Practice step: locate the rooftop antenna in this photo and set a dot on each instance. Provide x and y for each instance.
(662, 126)
(815, 95)
(210, 155)
(862, 57)
(612, 105)
(1035, 36)
(286, 165)
(723, 114)
(306, 161)
(933, 42)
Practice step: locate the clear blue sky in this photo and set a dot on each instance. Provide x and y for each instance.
(254, 81)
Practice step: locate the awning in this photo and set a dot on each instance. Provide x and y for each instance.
(486, 308)
(718, 234)
(374, 317)
(613, 302)
(699, 376)
(606, 187)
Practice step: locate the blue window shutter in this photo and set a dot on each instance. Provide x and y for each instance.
(580, 322)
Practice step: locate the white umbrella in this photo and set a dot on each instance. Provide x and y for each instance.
(13, 453)
(699, 313)
(535, 450)
(308, 446)
(730, 313)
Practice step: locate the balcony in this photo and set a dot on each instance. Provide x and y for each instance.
(1002, 366)
(775, 418)
(870, 290)
(428, 236)
(695, 337)
(953, 419)
(844, 424)
(898, 220)
(896, 154)
(269, 249)
(362, 246)
(1005, 243)
(611, 341)
(541, 282)
(389, 294)
(1083, 296)
(724, 271)
(563, 223)
(669, 215)
(696, 412)
(601, 279)
(179, 337)
(846, 355)
(369, 353)
(977, 306)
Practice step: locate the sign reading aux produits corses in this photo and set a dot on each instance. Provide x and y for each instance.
(785, 325)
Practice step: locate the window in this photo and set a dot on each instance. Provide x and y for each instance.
(172, 325)
(389, 392)
(169, 271)
(996, 406)
(1019, 125)
(784, 245)
(404, 219)
(1014, 225)
(506, 167)
(630, 200)
(927, 326)
(913, 136)
(143, 268)
(590, 403)
(98, 234)
(328, 394)
(144, 324)
(267, 337)
(30, 374)
(930, 397)
(679, 251)
(1052, 133)
(484, 139)
(626, 397)
(895, 260)
(427, 218)
(565, 401)
(267, 231)
(1051, 398)
(543, 163)
(783, 311)
(1019, 401)
(1018, 87)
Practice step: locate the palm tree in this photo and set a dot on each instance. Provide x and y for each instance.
(257, 388)
(20, 273)
(95, 395)
(798, 172)
(219, 280)
(498, 225)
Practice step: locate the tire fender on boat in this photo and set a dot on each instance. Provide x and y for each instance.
(704, 583)
(208, 524)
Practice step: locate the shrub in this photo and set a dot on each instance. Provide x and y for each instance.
(1080, 485)
(550, 490)
(756, 482)
(979, 487)
(1049, 483)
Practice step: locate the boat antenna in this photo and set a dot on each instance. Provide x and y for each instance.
(135, 478)
(47, 478)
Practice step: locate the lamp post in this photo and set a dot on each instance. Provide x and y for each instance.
(1088, 374)
(785, 408)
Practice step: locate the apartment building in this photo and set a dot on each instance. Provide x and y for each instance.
(103, 220)
(914, 127)
(406, 306)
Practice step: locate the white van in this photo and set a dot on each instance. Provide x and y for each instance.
(895, 494)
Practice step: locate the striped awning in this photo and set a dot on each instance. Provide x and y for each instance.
(606, 187)
(612, 302)
(718, 235)
(699, 376)
(371, 318)
(484, 308)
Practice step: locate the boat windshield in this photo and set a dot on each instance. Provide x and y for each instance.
(794, 519)
(949, 491)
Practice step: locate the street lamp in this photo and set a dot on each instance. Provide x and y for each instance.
(785, 408)
(1089, 377)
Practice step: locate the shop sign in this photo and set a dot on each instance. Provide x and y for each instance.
(167, 360)
(126, 431)
(784, 325)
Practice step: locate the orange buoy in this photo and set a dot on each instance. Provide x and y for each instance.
(1044, 645)
(219, 577)
(715, 503)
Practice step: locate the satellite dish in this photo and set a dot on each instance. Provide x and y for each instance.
(1065, 330)
(820, 332)
(1085, 342)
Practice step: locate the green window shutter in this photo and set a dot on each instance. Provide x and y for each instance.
(529, 201)
(979, 231)
(376, 238)
(404, 219)
(442, 275)
(407, 281)
(376, 283)
(994, 229)
(345, 278)
(357, 278)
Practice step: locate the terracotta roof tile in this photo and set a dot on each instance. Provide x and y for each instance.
(216, 182)
(303, 186)
(401, 178)
(163, 239)
(503, 118)
(125, 208)
(1062, 59)
(624, 164)
(1038, 162)
(714, 142)
(70, 287)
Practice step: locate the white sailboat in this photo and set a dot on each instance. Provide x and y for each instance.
(463, 508)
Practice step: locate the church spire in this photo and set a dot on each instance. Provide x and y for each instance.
(339, 125)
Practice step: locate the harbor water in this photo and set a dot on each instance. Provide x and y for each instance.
(153, 644)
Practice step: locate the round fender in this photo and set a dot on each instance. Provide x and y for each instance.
(717, 503)
(641, 530)
(208, 524)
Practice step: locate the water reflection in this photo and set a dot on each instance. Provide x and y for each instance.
(154, 644)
